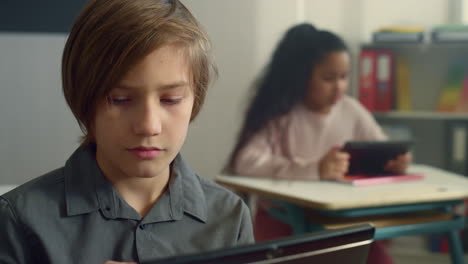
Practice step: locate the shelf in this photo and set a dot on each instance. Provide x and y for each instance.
(422, 115)
(417, 45)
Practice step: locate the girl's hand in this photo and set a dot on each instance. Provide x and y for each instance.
(399, 164)
(334, 165)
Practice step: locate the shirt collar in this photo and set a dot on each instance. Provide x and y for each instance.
(187, 189)
(81, 171)
(86, 189)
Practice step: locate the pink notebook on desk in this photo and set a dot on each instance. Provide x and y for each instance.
(358, 180)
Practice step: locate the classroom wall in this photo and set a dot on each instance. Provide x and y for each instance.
(38, 132)
(230, 26)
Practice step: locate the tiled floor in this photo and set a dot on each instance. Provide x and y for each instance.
(420, 257)
(413, 250)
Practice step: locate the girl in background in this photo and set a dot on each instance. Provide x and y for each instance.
(298, 120)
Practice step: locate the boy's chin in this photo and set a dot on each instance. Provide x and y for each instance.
(150, 172)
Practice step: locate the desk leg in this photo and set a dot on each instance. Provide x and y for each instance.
(456, 251)
(294, 216)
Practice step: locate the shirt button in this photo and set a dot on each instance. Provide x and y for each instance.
(142, 227)
(108, 208)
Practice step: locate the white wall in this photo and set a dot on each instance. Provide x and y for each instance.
(230, 25)
(38, 132)
(273, 18)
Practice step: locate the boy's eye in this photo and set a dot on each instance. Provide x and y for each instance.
(118, 99)
(170, 101)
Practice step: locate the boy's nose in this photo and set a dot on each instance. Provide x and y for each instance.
(148, 121)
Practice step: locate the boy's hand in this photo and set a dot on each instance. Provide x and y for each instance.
(334, 165)
(399, 164)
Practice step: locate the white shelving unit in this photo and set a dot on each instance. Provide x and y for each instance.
(427, 115)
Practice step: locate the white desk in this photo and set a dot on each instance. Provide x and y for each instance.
(438, 191)
(438, 185)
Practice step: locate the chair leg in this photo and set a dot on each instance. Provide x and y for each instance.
(456, 251)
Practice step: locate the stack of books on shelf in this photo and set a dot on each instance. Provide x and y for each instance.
(454, 95)
(450, 33)
(399, 34)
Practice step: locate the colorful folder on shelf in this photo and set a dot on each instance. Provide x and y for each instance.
(402, 29)
(450, 33)
(462, 105)
(376, 78)
(451, 95)
(403, 34)
(367, 79)
(402, 85)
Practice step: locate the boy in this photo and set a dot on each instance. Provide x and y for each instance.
(134, 73)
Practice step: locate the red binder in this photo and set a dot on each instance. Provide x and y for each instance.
(384, 77)
(376, 78)
(367, 79)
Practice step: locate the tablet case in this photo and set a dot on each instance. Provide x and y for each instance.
(343, 245)
(370, 157)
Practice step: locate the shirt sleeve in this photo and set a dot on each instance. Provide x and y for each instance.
(266, 156)
(367, 128)
(246, 235)
(13, 248)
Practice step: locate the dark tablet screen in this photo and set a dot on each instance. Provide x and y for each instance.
(370, 157)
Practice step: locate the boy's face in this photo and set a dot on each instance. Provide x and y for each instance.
(329, 81)
(142, 125)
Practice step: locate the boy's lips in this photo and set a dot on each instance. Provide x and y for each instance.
(146, 152)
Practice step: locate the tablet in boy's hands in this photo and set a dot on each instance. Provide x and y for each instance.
(370, 157)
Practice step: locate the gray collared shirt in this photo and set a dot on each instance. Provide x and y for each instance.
(74, 215)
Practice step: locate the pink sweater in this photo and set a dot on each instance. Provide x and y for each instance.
(292, 146)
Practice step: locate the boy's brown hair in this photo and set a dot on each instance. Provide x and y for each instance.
(110, 36)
